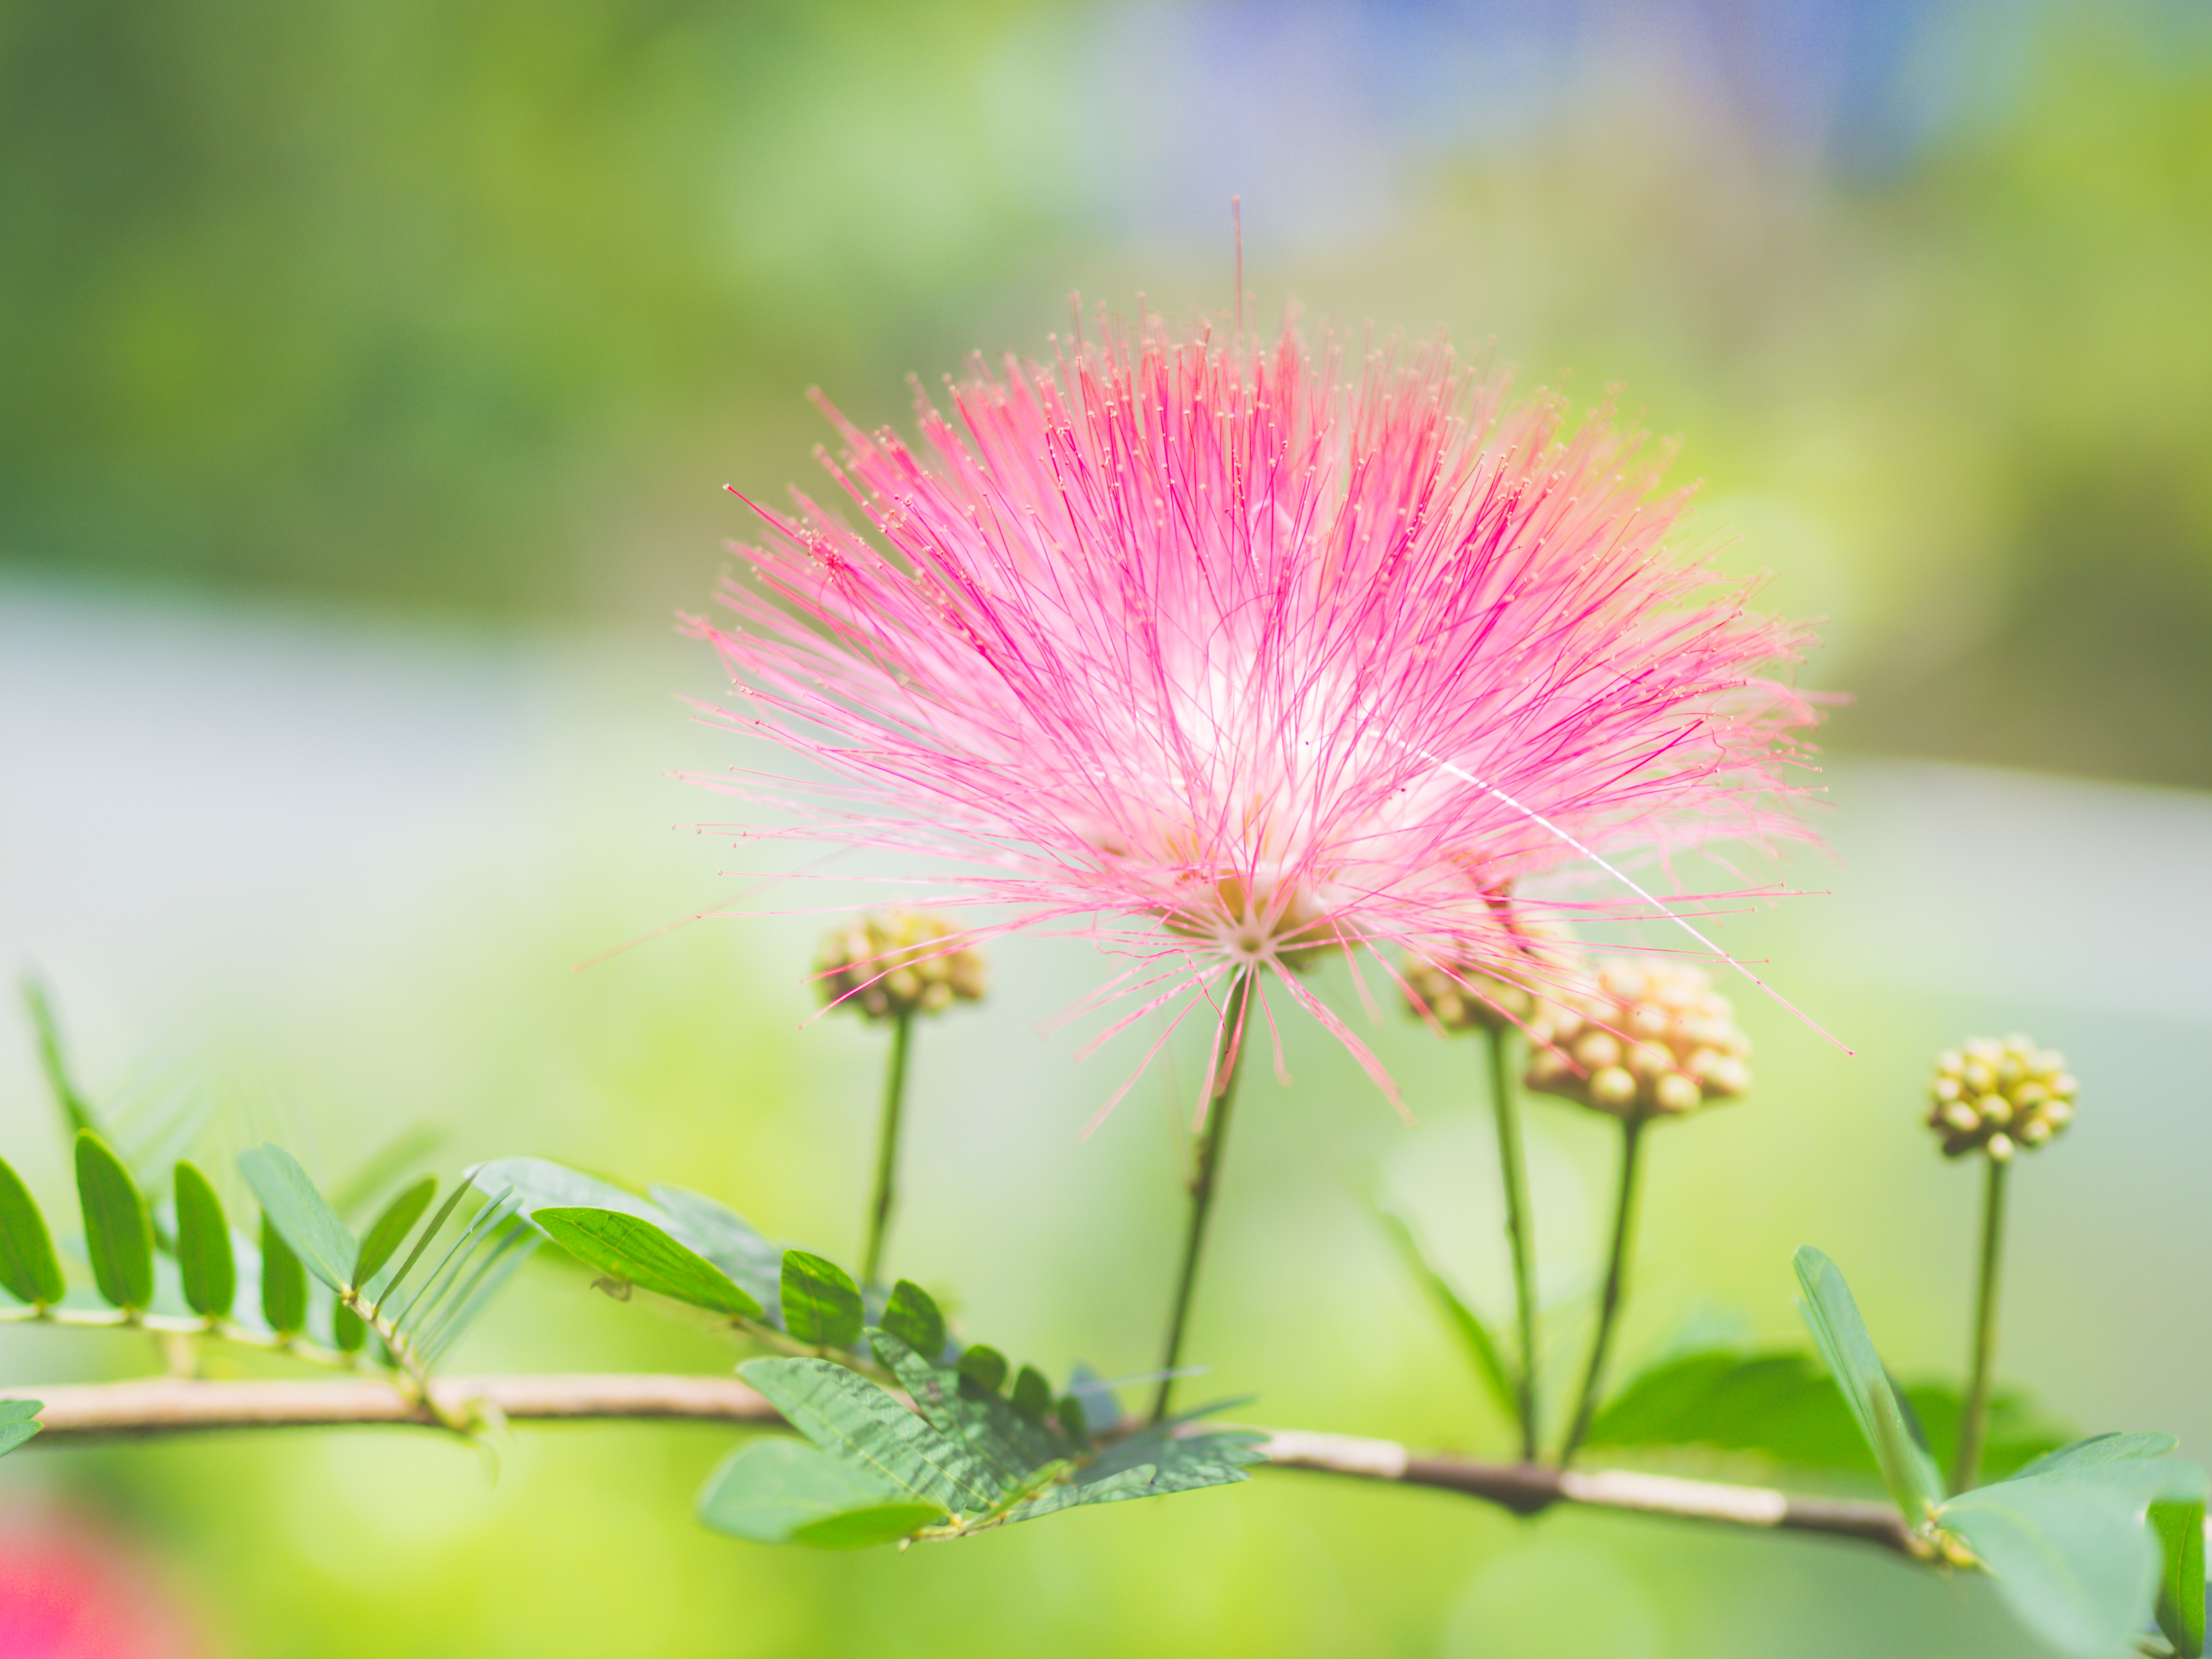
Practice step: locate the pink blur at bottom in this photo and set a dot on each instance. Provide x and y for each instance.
(70, 1588)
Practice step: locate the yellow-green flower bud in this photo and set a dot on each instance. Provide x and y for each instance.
(1651, 1037)
(893, 963)
(1493, 993)
(1999, 1097)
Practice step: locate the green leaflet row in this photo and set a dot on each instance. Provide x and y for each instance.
(170, 1252)
(986, 1443)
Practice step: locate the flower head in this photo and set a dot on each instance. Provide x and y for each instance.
(1246, 658)
(897, 963)
(1995, 1097)
(1498, 985)
(1652, 1039)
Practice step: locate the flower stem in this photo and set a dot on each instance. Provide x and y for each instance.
(1973, 1421)
(887, 1142)
(1616, 1284)
(1505, 1099)
(1228, 1062)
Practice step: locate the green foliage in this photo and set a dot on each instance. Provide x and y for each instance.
(2179, 1525)
(2075, 1542)
(291, 1204)
(822, 1305)
(983, 1369)
(119, 1235)
(28, 1267)
(726, 1239)
(1882, 1416)
(205, 1260)
(283, 1283)
(632, 1250)
(475, 1267)
(2086, 1542)
(912, 1317)
(389, 1229)
(19, 1421)
(349, 1331)
(1784, 1406)
(876, 1471)
(780, 1491)
(1032, 1394)
(1483, 1353)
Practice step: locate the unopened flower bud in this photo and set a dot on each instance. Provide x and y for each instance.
(894, 963)
(1492, 990)
(1999, 1097)
(1648, 1038)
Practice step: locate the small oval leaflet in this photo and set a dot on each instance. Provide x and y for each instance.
(304, 1216)
(204, 1261)
(984, 1366)
(28, 1267)
(630, 1248)
(912, 1316)
(389, 1230)
(118, 1235)
(283, 1283)
(821, 1304)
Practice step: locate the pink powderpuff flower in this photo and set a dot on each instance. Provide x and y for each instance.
(1246, 656)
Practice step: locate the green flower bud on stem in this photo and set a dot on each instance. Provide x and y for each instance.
(1494, 994)
(1652, 1038)
(891, 963)
(1999, 1097)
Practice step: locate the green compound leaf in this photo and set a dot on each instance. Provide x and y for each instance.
(2097, 1451)
(204, 1261)
(348, 1329)
(822, 1305)
(1153, 1463)
(726, 1239)
(2073, 1562)
(119, 1235)
(778, 1491)
(291, 1204)
(912, 1317)
(1784, 1406)
(2083, 1543)
(19, 1421)
(1883, 1419)
(389, 1230)
(1482, 1349)
(1013, 1445)
(866, 1428)
(2179, 1526)
(28, 1267)
(283, 1283)
(543, 1184)
(628, 1247)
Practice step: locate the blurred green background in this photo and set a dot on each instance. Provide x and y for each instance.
(371, 374)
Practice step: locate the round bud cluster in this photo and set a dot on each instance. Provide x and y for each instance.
(1496, 993)
(1653, 1038)
(1996, 1097)
(894, 963)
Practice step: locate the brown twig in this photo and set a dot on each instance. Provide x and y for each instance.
(78, 1412)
